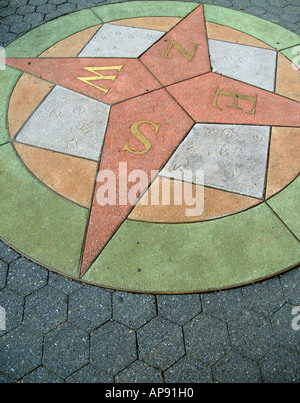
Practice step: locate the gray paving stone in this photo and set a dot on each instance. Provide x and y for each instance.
(113, 347)
(123, 41)
(15, 361)
(160, 343)
(206, 339)
(67, 122)
(37, 2)
(42, 375)
(20, 27)
(259, 338)
(66, 350)
(179, 308)
(133, 310)
(139, 372)
(285, 335)
(7, 254)
(57, 1)
(3, 273)
(18, 3)
(239, 61)
(63, 284)
(90, 307)
(13, 19)
(46, 8)
(45, 309)
(265, 297)
(5, 12)
(234, 368)
(90, 374)
(14, 307)
(281, 366)
(27, 9)
(5, 379)
(291, 286)
(26, 277)
(188, 370)
(236, 160)
(33, 18)
(66, 8)
(223, 304)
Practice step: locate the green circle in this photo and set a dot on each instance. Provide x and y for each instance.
(144, 257)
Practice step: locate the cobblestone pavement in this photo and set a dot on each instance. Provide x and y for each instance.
(55, 331)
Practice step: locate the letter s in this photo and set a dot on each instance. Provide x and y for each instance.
(141, 137)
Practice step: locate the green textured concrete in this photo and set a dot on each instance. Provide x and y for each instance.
(8, 79)
(36, 221)
(39, 39)
(286, 205)
(144, 9)
(293, 54)
(168, 258)
(268, 32)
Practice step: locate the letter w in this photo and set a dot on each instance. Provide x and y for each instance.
(100, 76)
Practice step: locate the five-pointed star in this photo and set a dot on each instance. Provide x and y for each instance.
(155, 100)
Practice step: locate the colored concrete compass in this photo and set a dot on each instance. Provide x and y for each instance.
(140, 98)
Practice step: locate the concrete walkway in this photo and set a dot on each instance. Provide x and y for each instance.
(56, 333)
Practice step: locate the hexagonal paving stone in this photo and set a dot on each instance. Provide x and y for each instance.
(16, 361)
(257, 341)
(42, 375)
(265, 297)
(285, 335)
(66, 349)
(3, 273)
(7, 254)
(63, 284)
(234, 368)
(188, 370)
(90, 307)
(26, 277)
(133, 310)
(14, 306)
(160, 343)
(291, 286)
(113, 347)
(139, 372)
(179, 308)
(281, 366)
(224, 304)
(45, 309)
(90, 374)
(206, 339)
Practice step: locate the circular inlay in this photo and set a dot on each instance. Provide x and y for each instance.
(153, 151)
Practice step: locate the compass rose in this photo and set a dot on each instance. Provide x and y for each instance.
(156, 102)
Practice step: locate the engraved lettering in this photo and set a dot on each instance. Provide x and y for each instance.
(141, 137)
(237, 98)
(100, 76)
(181, 49)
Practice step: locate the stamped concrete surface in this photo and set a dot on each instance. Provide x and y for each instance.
(58, 330)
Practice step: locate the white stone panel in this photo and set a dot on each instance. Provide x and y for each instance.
(69, 123)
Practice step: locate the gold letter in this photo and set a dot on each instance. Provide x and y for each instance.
(236, 97)
(100, 76)
(141, 137)
(183, 51)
